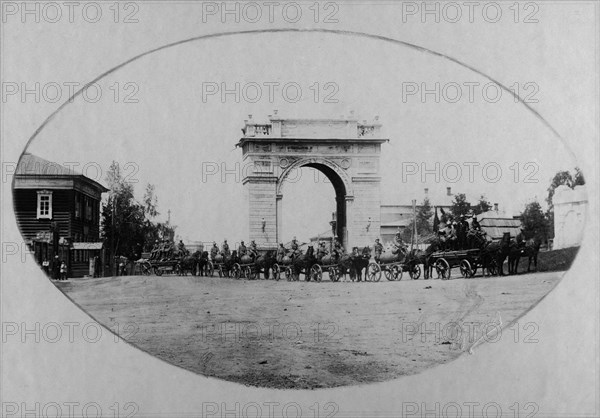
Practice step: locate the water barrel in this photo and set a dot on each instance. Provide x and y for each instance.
(246, 259)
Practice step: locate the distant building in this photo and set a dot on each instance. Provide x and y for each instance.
(399, 217)
(58, 213)
(496, 223)
(570, 207)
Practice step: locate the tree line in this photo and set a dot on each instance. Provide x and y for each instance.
(128, 227)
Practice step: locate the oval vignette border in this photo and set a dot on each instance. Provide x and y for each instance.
(386, 39)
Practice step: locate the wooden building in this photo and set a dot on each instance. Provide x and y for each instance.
(58, 213)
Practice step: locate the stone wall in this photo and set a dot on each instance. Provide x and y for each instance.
(570, 207)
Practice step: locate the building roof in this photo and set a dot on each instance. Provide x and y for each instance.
(495, 228)
(34, 166)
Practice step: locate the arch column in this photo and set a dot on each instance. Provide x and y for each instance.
(279, 218)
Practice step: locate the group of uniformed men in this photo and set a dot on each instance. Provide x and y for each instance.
(454, 235)
(164, 249)
(282, 251)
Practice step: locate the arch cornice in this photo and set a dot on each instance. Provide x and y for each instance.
(339, 171)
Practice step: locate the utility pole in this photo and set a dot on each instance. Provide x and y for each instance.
(112, 237)
(414, 234)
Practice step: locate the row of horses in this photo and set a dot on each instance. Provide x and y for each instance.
(492, 255)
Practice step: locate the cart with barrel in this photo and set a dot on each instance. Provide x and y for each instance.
(392, 265)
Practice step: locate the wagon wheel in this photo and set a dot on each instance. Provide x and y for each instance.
(389, 274)
(474, 270)
(316, 273)
(289, 274)
(276, 272)
(146, 269)
(236, 271)
(333, 276)
(158, 271)
(465, 268)
(396, 272)
(251, 273)
(210, 269)
(414, 272)
(443, 269)
(374, 272)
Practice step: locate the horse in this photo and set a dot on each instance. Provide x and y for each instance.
(203, 264)
(189, 263)
(229, 261)
(417, 256)
(303, 262)
(345, 264)
(265, 262)
(496, 253)
(361, 263)
(530, 249)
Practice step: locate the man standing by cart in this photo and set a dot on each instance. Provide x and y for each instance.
(378, 249)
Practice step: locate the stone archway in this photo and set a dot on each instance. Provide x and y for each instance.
(345, 151)
(340, 181)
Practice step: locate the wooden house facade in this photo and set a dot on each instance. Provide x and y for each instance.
(58, 213)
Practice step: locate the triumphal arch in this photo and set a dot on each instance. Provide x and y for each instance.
(345, 150)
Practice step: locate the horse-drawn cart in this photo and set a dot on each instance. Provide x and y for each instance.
(392, 266)
(328, 263)
(468, 261)
(159, 267)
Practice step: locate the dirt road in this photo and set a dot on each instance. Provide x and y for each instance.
(306, 335)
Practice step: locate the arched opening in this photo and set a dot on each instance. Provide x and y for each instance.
(305, 200)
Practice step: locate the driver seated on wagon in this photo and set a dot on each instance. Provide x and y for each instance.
(338, 249)
(321, 250)
(155, 249)
(214, 251)
(398, 244)
(242, 250)
(295, 248)
(253, 250)
(225, 249)
(281, 252)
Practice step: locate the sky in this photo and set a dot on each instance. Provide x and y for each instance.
(165, 128)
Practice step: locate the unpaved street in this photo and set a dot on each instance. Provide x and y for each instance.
(306, 335)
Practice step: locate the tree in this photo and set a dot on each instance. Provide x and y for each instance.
(123, 219)
(482, 206)
(150, 202)
(559, 179)
(578, 179)
(535, 223)
(460, 206)
(424, 213)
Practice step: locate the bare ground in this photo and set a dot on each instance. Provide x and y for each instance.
(304, 334)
